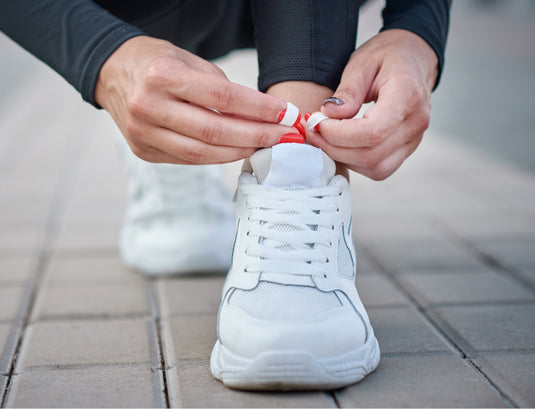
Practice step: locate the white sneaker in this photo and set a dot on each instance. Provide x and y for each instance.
(291, 317)
(179, 218)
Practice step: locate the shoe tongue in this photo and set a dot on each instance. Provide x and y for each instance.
(292, 166)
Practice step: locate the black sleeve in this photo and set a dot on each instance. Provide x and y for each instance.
(304, 40)
(427, 18)
(74, 37)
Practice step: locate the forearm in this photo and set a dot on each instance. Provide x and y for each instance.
(74, 37)
(429, 19)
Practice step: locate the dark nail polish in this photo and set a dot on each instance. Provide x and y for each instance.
(334, 100)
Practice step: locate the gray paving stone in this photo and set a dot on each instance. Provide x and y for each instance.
(405, 256)
(364, 264)
(83, 342)
(3, 383)
(10, 299)
(421, 381)
(16, 269)
(191, 385)
(4, 332)
(490, 327)
(109, 386)
(199, 294)
(189, 337)
(392, 230)
(511, 253)
(88, 236)
(20, 239)
(527, 274)
(401, 330)
(90, 269)
(513, 374)
(502, 226)
(376, 291)
(90, 300)
(450, 287)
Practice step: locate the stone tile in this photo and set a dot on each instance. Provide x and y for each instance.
(3, 383)
(20, 239)
(190, 294)
(4, 333)
(92, 300)
(511, 253)
(447, 287)
(19, 209)
(364, 264)
(392, 230)
(82, 342)
(513, 374)
(94, 236)
(421, 381)
(527, 274)
(10, 299)
(191, 385)
(108, 386)
(189, 337)
(406, 256)
(490, 327)
(502, 227)
(377, 291)
(90, 269)
(401, 330)
(16, 269)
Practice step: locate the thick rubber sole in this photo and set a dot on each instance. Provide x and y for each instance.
(294, 370)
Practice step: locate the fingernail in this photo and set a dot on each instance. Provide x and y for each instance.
(334, 100)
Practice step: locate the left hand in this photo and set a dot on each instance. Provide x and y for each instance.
(397, 69)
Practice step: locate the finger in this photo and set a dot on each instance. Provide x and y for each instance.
(369, 158)
(214, 92)
(214, 128)
(354, 87)
(189, 150)
(393, 162)
(378, 122)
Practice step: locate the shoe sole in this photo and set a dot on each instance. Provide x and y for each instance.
(294, 370)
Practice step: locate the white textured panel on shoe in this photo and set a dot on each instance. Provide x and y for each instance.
(274, 301)
(345, 260)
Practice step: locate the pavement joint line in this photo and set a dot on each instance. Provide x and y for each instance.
(64, 185)
(65, 367)
(487, 258)
(89, 317)
(438, 326)
(155, 333)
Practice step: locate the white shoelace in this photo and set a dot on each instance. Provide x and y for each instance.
(291, 229)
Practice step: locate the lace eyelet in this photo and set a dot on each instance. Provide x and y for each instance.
(247, 234)
(324, 275)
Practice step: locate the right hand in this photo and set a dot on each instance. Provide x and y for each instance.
(164, 100)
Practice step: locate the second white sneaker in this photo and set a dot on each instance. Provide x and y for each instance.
(291, 317)
(179, 218)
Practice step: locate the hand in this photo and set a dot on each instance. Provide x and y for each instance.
(164, 100)
(398, 70)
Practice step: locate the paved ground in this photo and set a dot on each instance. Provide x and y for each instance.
(446, 267)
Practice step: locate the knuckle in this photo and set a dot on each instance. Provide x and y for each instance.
(212, 133)
(380, 173)
(195, 154)
(263, 139)
(140, 151)
(222, 96)
(135, 103)
(368, 159)
(157, 71)
(376, 137)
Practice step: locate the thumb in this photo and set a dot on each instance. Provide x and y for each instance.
(350, 94)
